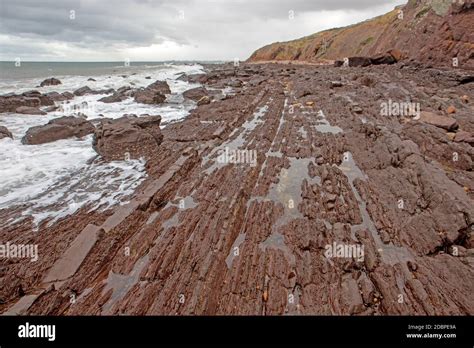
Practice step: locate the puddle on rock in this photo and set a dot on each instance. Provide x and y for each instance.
(232, 254)
(121, 284)
(239, 141)
(324, 126)
(390, 254)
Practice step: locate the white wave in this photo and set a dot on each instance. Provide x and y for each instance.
(53, 180)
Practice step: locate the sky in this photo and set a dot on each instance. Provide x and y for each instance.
(156, 30)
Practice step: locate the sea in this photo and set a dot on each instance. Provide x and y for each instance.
(51, 181)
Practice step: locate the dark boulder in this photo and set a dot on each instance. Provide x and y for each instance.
(59, 128)
(5, 133)
(128, 136)
(360, 61)
(153, 94)
(383, 59)
(29, 110)
(45, 100)
(50, 82)
(196, 93)
(83, 91)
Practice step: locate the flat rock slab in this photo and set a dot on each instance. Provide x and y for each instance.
(445, 122)
(72, 259)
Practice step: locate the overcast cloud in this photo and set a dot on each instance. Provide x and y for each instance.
(151, 30)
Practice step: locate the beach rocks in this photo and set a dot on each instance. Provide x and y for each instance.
(120, 95)
(464, 137)
(196, 93)
(5, 133)
(445, 122)
(383, 59)
(153, 94)
(29, 110)
(128, 137)
(391, 57)
(114, 98)
(50, 82)
(59, 128)
(359, 61)
(32, 99)
(83, 91)
(55, 96)
(11, 103)
(44, 99)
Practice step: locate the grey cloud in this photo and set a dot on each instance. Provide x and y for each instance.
(140, 23)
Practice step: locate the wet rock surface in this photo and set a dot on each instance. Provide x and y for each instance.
(30, 99)
(153, 94)
(5, 133)
(59, 128)
(284, 197)
(50, 82)
(196, 94)
(128, 137)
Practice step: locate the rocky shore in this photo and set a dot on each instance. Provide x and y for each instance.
(254, 203)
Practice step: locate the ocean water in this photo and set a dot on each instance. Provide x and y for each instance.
(51, 181)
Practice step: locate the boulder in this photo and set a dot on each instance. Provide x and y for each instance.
(195, 78)
(83, 91)
(383, 59)
(45, 100)
(10, 103)
(114, 98)
(136, 136)
(55, 96)
(153, 94)
(68, 95)
(91, 79)
(59, 128)
(29, 110)
(50, 82)
(396, 54)
(196, 93)
(146, 96)
(464, 137)
(160, 86)
(5, 133)
(446, 122)
(360, 61)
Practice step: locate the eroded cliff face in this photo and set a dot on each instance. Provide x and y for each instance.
(429, 31)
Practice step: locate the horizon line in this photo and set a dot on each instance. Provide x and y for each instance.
(117, 61)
